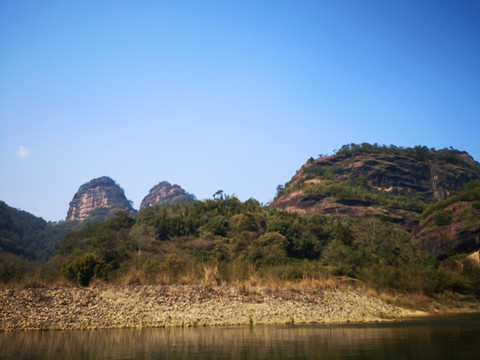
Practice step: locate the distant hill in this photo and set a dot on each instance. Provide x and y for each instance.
(21, 233)
(99, 200)
(392, 183)
(165, 193)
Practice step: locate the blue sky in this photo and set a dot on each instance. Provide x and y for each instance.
(231, 95)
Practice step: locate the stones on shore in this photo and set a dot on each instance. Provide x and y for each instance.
(184, 305)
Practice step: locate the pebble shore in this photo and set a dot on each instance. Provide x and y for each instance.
(184, 305)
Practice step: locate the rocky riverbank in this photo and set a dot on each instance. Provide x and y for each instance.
(185, 305)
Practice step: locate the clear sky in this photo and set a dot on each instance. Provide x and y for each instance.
(231, 95)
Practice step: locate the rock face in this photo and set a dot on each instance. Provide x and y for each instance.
(444, 241)
(368, 180)
(165, 193)
(451, 226)
(100, 193)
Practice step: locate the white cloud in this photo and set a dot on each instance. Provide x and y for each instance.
(23, 152)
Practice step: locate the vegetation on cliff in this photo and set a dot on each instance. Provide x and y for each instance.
(470, 193)
(451, 226)
(357, 189)
(419, 153)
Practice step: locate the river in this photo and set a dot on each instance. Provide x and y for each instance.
(442, 337)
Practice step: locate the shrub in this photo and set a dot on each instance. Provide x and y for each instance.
(476, 204)
(150, 267)
(442, 218)
(83, 269)
(11, 267)
(269, 249)
(173, 266)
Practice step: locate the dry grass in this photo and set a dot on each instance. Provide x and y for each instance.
(445, 303)
(189, 277)
(35, 281)
(97, 283)
(211, 275)
(411, 301)
(133, 277)
(306, 285)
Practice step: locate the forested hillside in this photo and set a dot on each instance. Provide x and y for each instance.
(26, 235)
(226, 240)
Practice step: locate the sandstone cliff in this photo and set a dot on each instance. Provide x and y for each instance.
(452, 226)
(386, 182)
(165, 194)
(102, 195)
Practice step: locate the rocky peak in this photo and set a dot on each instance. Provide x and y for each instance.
(100, 193)
(165, 193)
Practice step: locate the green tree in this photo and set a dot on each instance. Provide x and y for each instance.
(269, 249)
(173, 266)
(84, 268)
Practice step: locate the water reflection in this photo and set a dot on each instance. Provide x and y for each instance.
(440, 338)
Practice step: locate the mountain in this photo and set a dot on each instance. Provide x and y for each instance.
(392, 183)
(99, 198)
(165, 193)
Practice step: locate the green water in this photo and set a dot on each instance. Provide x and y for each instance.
(449, 337)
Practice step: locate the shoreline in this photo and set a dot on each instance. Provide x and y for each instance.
(188, 305)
